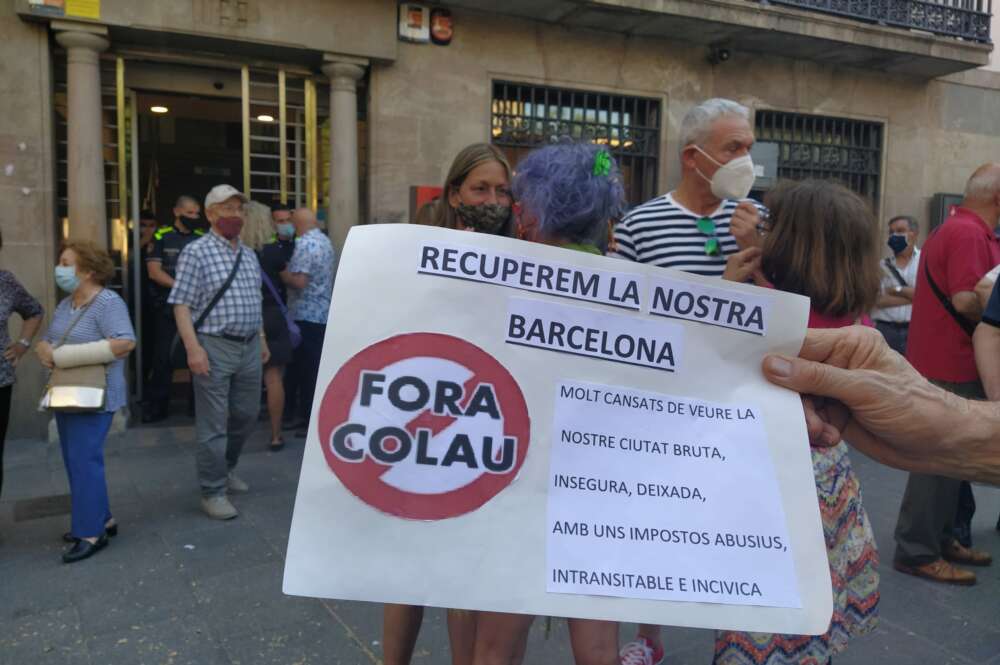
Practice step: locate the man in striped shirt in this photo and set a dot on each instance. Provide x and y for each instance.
(706, 226)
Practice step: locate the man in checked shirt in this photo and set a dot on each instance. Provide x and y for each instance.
(226, 350)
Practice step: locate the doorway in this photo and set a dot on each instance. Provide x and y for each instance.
(187, 144)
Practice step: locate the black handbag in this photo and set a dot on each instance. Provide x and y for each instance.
(178, 354)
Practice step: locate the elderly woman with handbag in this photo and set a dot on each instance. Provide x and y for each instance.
(85, 347)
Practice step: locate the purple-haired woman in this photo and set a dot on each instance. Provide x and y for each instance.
(568, 195)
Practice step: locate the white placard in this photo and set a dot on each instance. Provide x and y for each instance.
(642, 502)
(427, 473)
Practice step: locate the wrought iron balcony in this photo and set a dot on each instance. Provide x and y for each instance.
(965, 19)
(924, 38)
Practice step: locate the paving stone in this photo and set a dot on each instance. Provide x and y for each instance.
(48, 637)
(893, 644)
(221, 550)
(173, 641)
(302, 644)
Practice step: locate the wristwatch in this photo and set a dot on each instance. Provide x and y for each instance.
(898, 289)
(25, 342)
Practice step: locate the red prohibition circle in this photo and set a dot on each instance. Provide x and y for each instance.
(363, 479)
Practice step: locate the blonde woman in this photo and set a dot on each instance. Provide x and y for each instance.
(273, 251)
(476, 194)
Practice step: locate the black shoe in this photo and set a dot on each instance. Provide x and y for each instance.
(110, 531)
(83, 549)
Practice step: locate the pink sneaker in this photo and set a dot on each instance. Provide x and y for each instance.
(640, 652)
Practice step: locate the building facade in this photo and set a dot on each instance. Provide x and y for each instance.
(110, 106)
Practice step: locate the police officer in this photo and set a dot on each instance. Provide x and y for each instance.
(161, 262)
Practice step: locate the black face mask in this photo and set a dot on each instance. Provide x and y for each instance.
(897, 243)
(194, 223)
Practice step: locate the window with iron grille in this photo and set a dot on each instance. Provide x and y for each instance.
(529, 116)
(815, 146)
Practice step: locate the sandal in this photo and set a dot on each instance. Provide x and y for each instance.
(277, 444)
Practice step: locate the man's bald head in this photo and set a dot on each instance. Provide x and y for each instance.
(304, 220)
(984, 185)
(982, 193)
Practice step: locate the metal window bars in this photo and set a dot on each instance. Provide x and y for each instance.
(282, 140)
(815, 146)
(527, 116)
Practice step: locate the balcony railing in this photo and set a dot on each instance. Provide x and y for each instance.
(964, 19)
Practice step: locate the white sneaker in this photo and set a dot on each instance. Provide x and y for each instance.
(636, 653)
(218, 508)
(236, 484)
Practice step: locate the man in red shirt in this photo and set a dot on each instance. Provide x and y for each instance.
(945, 311)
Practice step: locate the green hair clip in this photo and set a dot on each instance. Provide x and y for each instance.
(602, 163)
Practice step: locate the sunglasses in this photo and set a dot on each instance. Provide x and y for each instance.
(707, 227)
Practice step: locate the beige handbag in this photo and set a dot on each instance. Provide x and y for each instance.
(76, 389)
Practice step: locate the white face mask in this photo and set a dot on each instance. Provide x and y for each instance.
(733, 180)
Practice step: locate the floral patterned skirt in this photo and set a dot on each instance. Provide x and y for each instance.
(850, 545)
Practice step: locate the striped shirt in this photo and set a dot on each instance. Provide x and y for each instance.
(664, 233)
(202, 269)
(105, 318)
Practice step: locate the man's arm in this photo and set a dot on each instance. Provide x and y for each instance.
(296, 273)
(296, 280)
(967, 304)
(196, 356)
(158, 275)
(892, 300)
(986, 343)
(743, 225)
(984, 288)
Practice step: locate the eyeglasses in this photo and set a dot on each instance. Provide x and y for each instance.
(229, 208)
(707, 227)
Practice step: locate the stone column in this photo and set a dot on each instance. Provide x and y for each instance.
(344, 204)
(88, 217)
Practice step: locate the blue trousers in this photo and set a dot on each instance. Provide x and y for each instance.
(81, 437)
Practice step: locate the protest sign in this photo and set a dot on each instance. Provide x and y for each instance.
(515, 427)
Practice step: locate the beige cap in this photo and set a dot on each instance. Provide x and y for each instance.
(222, 193)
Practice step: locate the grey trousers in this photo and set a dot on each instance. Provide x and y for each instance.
(227, 403)
(927, 515)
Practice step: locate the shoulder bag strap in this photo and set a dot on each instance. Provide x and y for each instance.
(895, 272)
(76, 319)
(968, 326)
(274, 291)
(221, 292)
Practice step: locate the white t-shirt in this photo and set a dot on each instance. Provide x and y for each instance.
(901, 313)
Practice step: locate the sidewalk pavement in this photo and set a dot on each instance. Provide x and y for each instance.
(176, 588)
